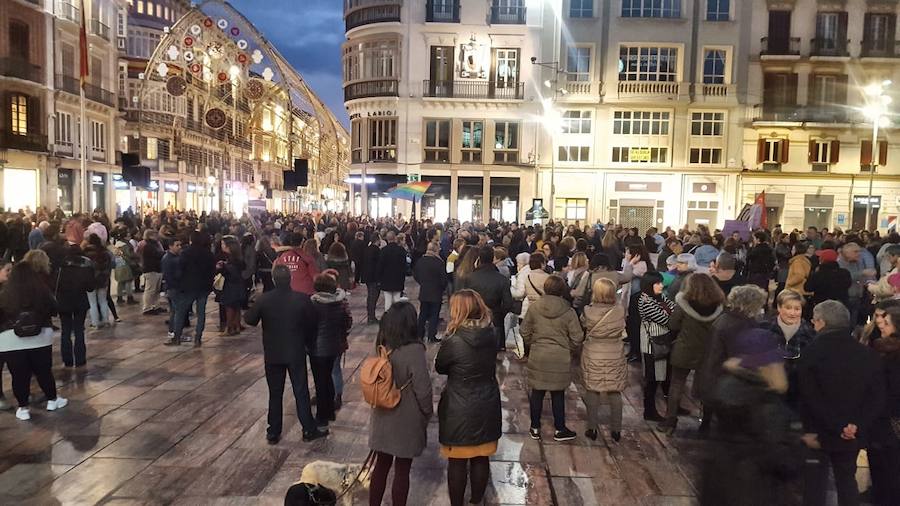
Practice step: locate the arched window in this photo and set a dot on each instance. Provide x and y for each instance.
(18, 40)
(18, 114)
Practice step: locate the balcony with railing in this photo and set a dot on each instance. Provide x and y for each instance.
(66, 9)
(367, 89)
(100, 29)
(829, 47)
(581, 89)
(365, 12)
(31, 141)
(473, 90)
(805, 114)
(651, 89)
(507, 14)
(780, 46)
(98, 155)
(442, 11)
(91, 92)
(64, 148)
(21, 69)
(880, 48)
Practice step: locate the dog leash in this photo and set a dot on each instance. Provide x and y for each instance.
(367, 465)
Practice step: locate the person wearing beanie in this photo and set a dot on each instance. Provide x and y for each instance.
(829, 281)
(685, 264)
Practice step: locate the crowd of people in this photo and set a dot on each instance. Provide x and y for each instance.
(788, 341)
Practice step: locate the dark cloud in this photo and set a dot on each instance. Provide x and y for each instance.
(309, 33)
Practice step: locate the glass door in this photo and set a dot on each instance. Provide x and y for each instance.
(441, 71)
(505, 74)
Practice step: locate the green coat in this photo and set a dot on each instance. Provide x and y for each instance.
(693, 334)
(552, 331)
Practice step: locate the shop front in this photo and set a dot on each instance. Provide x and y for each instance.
(193, 197)
(148, 198)
(170, 194)
(20, 189)
(98, 191)
(65, 197)
(122, 194)
(505, 199)
(436, 201)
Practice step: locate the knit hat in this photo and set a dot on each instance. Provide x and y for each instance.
(827, 255)
(756, 348)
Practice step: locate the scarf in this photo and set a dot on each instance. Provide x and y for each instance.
(788, 330)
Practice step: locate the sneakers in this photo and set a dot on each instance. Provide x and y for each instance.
(563, 435)
(591, 434)
(58, 403)
(616, 436)
(23, 414)
(535, 433)
(170, 335)
(314, 434)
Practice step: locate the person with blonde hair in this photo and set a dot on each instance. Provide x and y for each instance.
(469, 417)
(578, 267)
(604, 368)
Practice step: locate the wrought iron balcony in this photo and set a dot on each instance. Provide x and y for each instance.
(91, 92)
(100, 29)
(21, 69)
(67, 9)
(364, 12)
(805, 114)
(442, 11)
(473, 90)
(782, 46)
(829, 47)
(366, 89)
(30, 141)
(507, 14)
(880, 48)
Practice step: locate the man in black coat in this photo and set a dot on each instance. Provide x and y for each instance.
(494, 289)
(760, 261)
(430, 273)
(198, 267)
(289, 323)
(830, 281)
(841, 394)
(391, 270)
(370, 276)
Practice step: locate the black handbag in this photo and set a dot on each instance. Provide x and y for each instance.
(660, 346)
(308, 494)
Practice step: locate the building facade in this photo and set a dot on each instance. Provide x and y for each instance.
(807, 143)
(443, 91)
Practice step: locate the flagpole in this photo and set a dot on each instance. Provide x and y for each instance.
(84, 71)
(83, 154)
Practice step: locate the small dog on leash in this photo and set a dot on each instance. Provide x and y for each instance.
(337, 477)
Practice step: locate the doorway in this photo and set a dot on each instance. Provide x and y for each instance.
(858, 219)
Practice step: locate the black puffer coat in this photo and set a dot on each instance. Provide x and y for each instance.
(370, 264)
(72, 281)
(334, 322)
(469, 409)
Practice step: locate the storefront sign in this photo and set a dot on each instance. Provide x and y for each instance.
(192, 187)
(639, 155)
(154, 186)
(841, 219)
(171, 186)
(876, 201)
(97, 180)
(625, 186)
(119, 183)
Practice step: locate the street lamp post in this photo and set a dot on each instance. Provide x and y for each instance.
(876, 111)
(552, 122)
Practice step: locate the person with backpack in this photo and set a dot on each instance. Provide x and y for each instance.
(103, 264)
(469, 412)
(289, 321)
(399, 434)
(125, 266)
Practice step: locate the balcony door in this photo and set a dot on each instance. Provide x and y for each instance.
(441, 73)
(505, 69)
(831, 31)
(879, 31)
(18, 41)
(779, 32)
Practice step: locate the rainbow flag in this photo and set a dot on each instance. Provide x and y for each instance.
(409, 191)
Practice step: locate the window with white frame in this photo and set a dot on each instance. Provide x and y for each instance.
(641, 137)
(651, 8)
(374, 59)
(821, 151)
(357, 143)
(506, 142)
(578, 63)
(472, 141)
(707, 142)
(574, 154)
(437, 140)
(576, 122)
(63, 129)
(152, 148)
(714, 65)
(383, 139)
(98, 139)
(648, 63)
(571, 209)
(717, 10)
(581, 8)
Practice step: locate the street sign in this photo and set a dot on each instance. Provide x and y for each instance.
(639, 155)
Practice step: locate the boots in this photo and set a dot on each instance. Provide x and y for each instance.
(650, 412)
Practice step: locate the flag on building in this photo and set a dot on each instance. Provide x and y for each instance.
(83, 47)
(758, 218)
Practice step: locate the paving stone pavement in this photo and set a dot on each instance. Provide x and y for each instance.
(149, 424)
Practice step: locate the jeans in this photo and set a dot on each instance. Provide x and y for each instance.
(373, 291)
(321, 370)
(884, 467)
(557, 401)
(843, 464)
(185, 300)
(275, 379)
(99, 307)
(677, 382)
(25, 363)
(337, 376)
(390, 298)
(72, 322)
(429, 313)
(152, 281)
(172, 296)
(592, 401)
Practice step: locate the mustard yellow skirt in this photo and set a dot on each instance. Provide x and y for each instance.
(468, 452)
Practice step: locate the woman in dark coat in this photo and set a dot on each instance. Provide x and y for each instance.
(400, 434)
(793, 333)
(884, 437)
(338, 260)
(232, 295)
(469, 409)
(369, 276)
(357, 250)
(72, 280)
(696, 307)
(334, 322)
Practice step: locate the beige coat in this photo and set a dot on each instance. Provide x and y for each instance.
(552, 331)
(533, 285)
(603, 364)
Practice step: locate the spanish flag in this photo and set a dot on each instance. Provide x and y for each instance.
(83, 47)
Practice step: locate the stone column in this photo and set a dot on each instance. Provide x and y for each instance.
(454, 194)
(486, 197)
